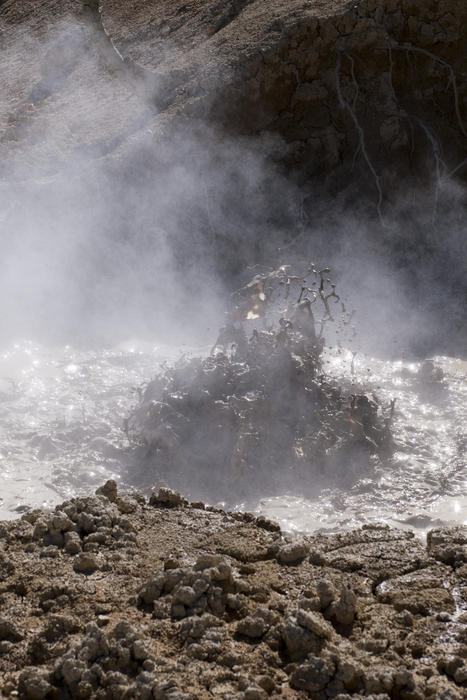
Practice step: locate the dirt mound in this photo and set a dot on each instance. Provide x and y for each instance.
(171, 600)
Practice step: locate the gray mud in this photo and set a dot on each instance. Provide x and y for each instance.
(259, 413)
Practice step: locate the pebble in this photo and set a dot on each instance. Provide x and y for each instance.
(443, 617)
(343, 610)
(168, 498)
(86, 563)
(126, 504)
(109, 490)
(254, 693)
(252, 627)
(34, 684)
(326, 593)
(50, 552)
(207, 561)
(292, 553)
(9, 631)
(314, 622)
(72, 543)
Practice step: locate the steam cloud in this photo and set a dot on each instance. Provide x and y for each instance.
(143, 236)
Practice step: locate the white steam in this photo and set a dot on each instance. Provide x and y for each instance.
(109, 230)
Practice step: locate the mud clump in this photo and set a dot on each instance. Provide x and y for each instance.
(197, 604)
(259, 411)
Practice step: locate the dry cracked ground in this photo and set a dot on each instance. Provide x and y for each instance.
(116, 596)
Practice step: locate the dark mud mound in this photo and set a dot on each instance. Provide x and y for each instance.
(259, 415)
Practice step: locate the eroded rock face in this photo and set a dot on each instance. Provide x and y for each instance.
(314, 72)
(356, 108)
(381, 78)
(188, 609)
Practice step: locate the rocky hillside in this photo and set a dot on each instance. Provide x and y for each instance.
(381, 83)
(372, 82)
(112, 596)
(318, 125)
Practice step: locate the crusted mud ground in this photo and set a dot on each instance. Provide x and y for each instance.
(114, 596)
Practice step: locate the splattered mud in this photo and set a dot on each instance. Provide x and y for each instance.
(259, 413)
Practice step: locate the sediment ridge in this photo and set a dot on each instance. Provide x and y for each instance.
(120, 596)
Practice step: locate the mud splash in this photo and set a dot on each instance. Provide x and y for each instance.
(61, 433)
(358, 439)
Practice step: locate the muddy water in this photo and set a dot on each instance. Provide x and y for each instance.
(62, 412)
(424, 482)
(61, 418)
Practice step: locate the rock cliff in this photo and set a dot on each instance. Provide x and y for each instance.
(367, 83)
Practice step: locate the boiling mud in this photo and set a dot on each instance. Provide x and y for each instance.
(62, 414)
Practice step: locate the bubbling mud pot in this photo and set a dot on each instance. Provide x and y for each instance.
(382, 440)
(259, 415)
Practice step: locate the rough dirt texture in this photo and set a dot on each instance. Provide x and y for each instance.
(112, 596)
(320, 73)
(362, 105)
